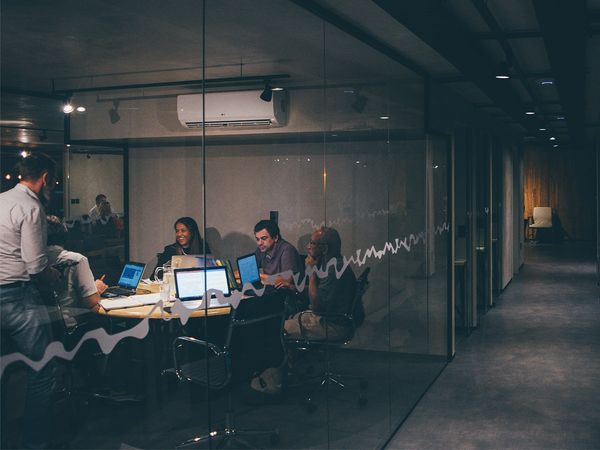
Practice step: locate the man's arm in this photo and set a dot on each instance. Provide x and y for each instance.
(33, 249)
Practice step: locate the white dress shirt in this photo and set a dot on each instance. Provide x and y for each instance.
(22, 235)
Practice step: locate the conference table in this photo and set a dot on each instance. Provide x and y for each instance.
(161, 329)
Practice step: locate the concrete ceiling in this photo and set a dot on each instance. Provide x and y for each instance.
(69, 44)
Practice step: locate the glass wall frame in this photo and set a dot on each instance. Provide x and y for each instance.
(354, 155)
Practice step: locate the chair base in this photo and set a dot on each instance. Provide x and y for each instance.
(328, 378)
(229, 437)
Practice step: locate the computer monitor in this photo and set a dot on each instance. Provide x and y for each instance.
(131, 275)
(248, 268)
(190, 283)
(187, 261)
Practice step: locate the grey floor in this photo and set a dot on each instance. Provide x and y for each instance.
(529, 377)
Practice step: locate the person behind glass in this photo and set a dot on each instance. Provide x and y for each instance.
(82, 291)
(187, 242)
(274, 254)
(24, 270)
(95, 211)
(105, 224)
(327, 294)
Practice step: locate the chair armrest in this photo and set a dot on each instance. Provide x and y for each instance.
(344, 317)
(182, 365)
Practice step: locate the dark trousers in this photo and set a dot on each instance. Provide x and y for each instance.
(25, 322)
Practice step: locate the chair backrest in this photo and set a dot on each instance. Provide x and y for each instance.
(358, 309)
(542, 216)
(254, 340)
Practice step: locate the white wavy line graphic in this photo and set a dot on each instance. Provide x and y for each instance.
(107, 342)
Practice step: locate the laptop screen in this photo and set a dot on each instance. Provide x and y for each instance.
(190, 282)
(248, 268)
(131, 275)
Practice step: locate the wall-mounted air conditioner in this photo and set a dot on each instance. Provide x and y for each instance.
(233, 109)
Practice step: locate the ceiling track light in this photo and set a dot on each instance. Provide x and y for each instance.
(267, 94)
(113, 113)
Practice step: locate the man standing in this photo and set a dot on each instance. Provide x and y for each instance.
(274, 254)
(24, 318)
(95, 211)
(327, 294)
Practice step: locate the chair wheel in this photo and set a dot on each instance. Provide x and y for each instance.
(362, 402)
(274, 438)
(363, 384)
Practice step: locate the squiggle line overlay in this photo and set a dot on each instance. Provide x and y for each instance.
(107, 342)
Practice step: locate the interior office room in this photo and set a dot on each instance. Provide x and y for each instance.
(453, 148)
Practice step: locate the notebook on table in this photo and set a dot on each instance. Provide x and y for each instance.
(128, 281)
(192, 284)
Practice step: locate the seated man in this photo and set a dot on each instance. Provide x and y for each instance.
(274, 254)
(82, 292)
(95, 211)
(328, 294)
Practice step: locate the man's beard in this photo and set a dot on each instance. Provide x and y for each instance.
(45, 195)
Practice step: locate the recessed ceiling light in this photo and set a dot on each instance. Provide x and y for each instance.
(277, 89)
(560, 117)
(68, 145)
(7, 176)
(530, 113)
(384, 117)
(555, 145)
(552, 138)
(502, 71)
(546, 82)
(81, 109)
(542, 129)
(502, 77)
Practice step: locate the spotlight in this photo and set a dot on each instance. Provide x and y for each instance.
(68, 107)
(359, 103)
(502, 72)
(24, 154)
(113, 112)
(267, 94)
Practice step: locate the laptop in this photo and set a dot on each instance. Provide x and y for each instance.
(188, 261)
(248, 269)
(190, 284)
(249, 273)
(128, 282)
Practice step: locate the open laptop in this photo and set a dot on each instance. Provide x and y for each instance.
(192, 283)
(248, 269)
(128, 281)
(188, 261)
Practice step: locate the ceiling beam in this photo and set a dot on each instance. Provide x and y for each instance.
(563, 26)
(435, 25)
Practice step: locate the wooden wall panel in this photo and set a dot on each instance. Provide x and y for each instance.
(565, 181)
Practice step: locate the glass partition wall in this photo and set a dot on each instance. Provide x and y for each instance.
(345, 149)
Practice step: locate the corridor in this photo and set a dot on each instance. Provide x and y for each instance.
(528, 377)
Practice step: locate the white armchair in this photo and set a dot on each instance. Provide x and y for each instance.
(542, 218)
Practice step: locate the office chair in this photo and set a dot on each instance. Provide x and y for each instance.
(353, 319)
(542, 220)
(253, 343)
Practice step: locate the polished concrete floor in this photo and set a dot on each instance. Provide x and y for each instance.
(529, 377)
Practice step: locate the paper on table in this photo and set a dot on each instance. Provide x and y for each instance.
(129, 302)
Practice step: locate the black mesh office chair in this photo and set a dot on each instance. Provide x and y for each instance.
(253, 344)
(325, 349)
